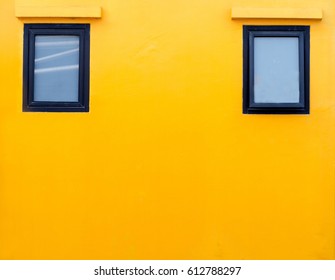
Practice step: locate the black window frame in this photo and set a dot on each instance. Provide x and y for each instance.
(30, 32)
(303, 34)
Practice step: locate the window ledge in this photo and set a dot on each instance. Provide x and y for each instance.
(276, 13)
(58, 11)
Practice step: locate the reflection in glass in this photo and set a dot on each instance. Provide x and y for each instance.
(56, 68)
(276, 76)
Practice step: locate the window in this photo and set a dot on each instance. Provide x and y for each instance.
(276, 69)
(56, 67)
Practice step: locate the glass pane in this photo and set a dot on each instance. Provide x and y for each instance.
(276, 77)
(56, 68)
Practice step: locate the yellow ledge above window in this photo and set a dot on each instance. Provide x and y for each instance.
(276, 13)
(58, 11)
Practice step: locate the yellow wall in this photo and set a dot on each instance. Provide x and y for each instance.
(165, 165)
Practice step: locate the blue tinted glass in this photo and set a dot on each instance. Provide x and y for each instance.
(276, 76)
(56, 68)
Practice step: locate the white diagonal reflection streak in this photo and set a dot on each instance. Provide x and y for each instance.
(55, 55)
(56, 69)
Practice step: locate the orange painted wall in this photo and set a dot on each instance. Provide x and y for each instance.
(165, 165)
